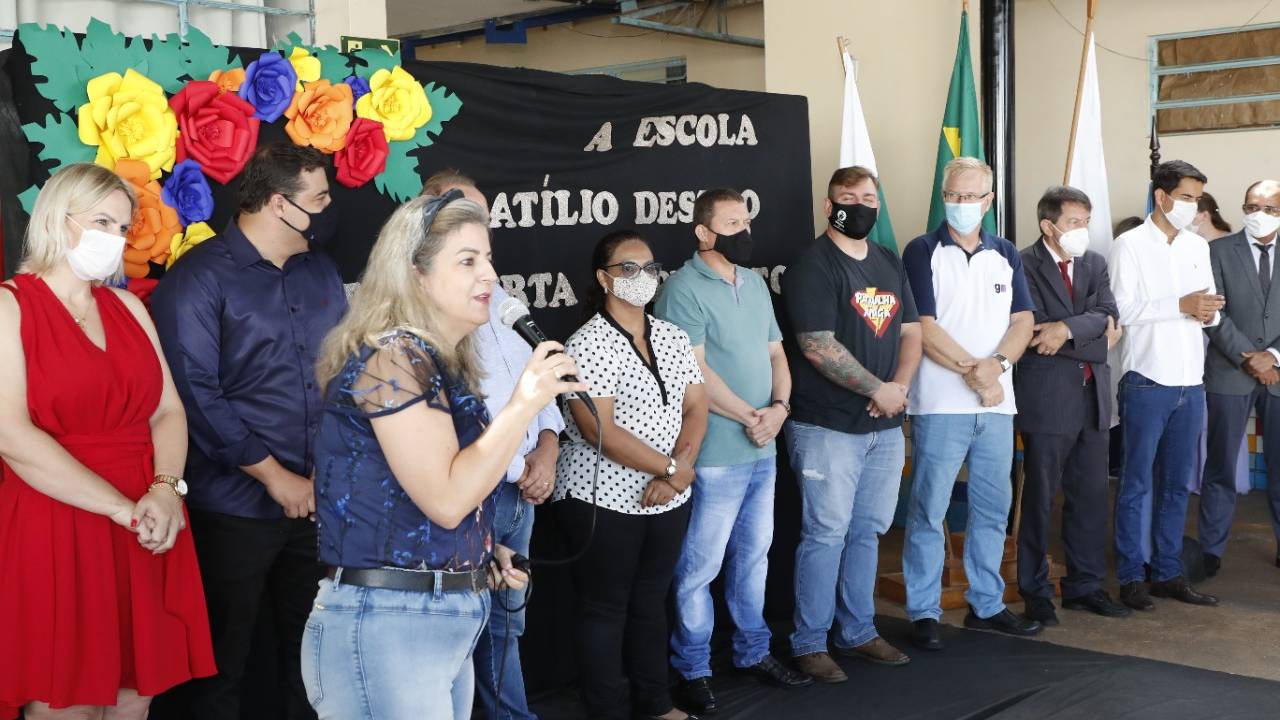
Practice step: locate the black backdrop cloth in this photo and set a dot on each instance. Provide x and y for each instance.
(526, 131)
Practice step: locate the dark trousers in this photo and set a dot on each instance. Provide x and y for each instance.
(1227, 416)
(622, 583)
(1075, 461)
(251, 566)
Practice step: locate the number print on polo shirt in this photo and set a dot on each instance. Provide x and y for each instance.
(877, 307)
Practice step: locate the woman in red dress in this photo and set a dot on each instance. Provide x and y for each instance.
(101, 604)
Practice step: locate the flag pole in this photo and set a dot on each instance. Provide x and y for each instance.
(1084, 63)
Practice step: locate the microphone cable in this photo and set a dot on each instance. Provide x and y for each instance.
(525, 564)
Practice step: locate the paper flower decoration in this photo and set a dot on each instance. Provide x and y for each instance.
(219, 129)
(196, 233)
(320, 116)
(154, 223)
(305, 65)
(228, 81)
(364, 156)
(268, 85)
(397, 101)
(359, 87)
(128, 118)
(188, 192)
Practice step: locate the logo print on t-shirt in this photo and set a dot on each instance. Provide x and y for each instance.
(877, 307)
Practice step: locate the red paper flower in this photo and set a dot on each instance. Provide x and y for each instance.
(365, 154)
(216, 129)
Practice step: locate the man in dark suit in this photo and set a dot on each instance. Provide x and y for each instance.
(1241, 367)
(1063, 390)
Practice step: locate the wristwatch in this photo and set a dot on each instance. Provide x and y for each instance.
(671, 469)
(785, 405)
(1004, 362)
(176, 484)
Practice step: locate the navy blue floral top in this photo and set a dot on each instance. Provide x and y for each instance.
(365, 518)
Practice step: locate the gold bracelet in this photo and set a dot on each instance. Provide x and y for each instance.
(170, 486)
(166, 478)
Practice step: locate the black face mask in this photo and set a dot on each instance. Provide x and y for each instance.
(321, 226)
(735, 248)
(853, 221)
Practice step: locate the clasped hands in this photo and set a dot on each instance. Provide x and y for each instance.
(764, 424)
(983, 377)
(1261, 366)
(156, 518)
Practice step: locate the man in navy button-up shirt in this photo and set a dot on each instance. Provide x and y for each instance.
(241, 319)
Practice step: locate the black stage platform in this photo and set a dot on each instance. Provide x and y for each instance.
(983, 675)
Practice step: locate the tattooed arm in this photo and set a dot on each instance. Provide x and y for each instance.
(838, 365)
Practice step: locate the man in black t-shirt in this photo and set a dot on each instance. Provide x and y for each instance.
(858, 338)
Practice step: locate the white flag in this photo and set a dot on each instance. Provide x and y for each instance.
(1088, 167)
(855, 141)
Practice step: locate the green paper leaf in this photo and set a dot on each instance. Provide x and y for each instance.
(400, 181)
(445, 105)
(27, 198)
(55, 55)
(201, 57)
(334, 66)
(372, 60)
(105, 51)
(60, 140)
(164, 63)
(288, 43)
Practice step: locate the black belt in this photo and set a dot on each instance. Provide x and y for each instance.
(411, 580)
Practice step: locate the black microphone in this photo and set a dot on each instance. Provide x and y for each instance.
(515, 315)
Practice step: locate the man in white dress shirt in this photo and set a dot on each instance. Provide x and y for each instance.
(1241, 369)
(1165, 292)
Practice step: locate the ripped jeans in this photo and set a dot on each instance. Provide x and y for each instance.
(849, 488)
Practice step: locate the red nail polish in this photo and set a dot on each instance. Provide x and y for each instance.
(133, 523)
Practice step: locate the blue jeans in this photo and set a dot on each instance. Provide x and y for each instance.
(1160, 425)
(731, 523)
(942, 443)
(513, 526)
(848, 490)
(375, 654)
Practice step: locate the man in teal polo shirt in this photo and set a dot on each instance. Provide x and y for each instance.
(727, 311)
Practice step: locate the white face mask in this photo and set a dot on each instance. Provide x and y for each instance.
(98, 256)
(637, 291)
(1074, 242)
(1260, 224)
(1182, 214)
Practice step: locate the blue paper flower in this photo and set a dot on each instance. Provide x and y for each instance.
(359, 86)
(268, 85)
(187, 191)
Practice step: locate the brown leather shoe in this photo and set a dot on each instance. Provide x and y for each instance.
(820, 667)
(876, 650)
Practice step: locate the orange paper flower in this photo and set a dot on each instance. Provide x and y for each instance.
(154, 223)
(228, 81)
(320, 116)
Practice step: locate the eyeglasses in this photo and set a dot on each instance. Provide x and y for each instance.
(949, 196)
(632, 269)
(1271, 210)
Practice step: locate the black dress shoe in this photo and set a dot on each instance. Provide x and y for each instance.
(1097, 602)
(1135, 595)
(1212, 563)
(1179, 589)
(641, 716)
(698, 696)
(925, 634)
(1041, 610)
(774, 672)
(1003, 622)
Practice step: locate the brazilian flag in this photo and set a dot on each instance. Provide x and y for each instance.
(961, 132)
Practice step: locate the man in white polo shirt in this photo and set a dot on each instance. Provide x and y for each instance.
(976, 317)
(1162, 278)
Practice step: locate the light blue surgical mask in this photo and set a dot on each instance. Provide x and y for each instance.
(964, 217)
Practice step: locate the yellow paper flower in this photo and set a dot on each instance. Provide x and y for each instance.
(129, 118)
(181, 243)
(397, 101)
(307, 67)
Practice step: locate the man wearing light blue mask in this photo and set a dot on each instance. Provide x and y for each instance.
(1163, 281)
(976, 318)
